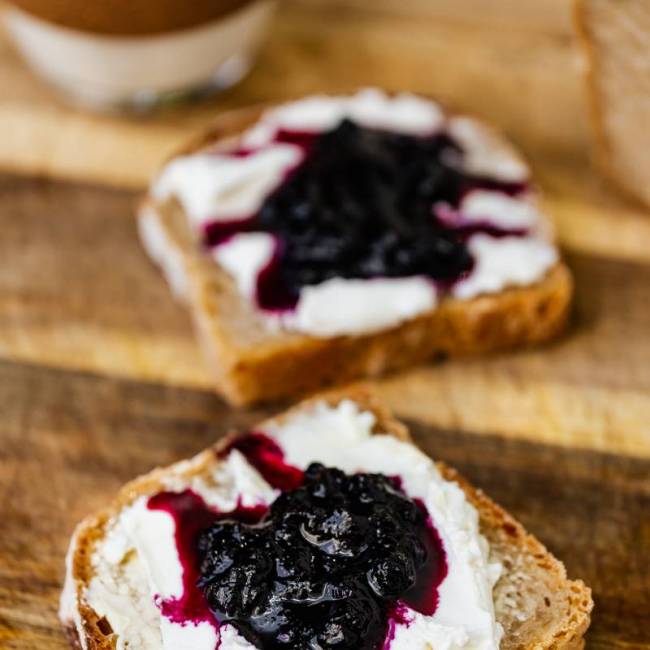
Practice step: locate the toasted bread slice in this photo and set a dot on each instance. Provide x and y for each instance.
(614, 39)
(537, 606)
(252, 362)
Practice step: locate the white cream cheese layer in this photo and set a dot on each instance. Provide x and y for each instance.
(504, 261)
(212, 187)
(342, 437)
(485, 153)
(334, 307)
(372, 108)
(137, 563)
(500, 210)
(338, 306)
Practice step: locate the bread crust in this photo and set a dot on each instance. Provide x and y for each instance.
(251, 364)
(507, 537)
(604, 150)
(590, 66)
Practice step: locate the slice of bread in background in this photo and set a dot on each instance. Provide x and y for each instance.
(252, 363)
(538, 607)
(615, 38)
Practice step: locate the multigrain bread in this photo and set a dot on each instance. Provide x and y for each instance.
(252, 363)
(538, 607)
(615, 40)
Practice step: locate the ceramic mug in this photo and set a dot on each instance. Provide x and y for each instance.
(119, 54)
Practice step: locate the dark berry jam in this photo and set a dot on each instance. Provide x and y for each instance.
(361, 205)
(191, 516)
(265, 455)
(336, 561)
(326, 567)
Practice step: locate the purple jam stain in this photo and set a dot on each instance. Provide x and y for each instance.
(266, 456)
(466, 230)
(303, 139)
(511, 188)
(191, 516)
(272, 293)
(218, 232)
(446, 217)
(359, 206)
(399, 615)
(423, 596)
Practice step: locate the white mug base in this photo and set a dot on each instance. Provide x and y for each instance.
(126, 72)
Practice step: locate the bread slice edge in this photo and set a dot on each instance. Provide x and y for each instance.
(612, 161)
(295, 364)
(564, 631)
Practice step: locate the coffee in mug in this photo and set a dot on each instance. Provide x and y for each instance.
(138, 53)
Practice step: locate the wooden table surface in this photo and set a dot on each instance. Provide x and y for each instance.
(100, 378)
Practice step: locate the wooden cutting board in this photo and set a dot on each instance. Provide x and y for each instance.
(71, 439)
(100, 378)
(77, 292)
(513, 64)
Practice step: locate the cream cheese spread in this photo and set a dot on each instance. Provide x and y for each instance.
(335, 307)
(211, 187)
(137, 564)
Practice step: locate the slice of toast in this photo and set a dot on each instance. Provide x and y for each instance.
(535, 603)
(614, 39)
(252, 362)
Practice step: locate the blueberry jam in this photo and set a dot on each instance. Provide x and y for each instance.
(361, 205)
(326, 567)
(191, 516)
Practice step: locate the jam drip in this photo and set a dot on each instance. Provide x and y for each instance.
(191, 516)
(265, 455)
(361, 205)
(326, 567)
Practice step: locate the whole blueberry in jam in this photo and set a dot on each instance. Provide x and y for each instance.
(361, 205)
(325, 567)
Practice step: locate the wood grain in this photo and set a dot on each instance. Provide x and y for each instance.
(77, 291)
(589, 217)
(514, 65)
(523, 80)
(551, 16)
(69, 440)
(100, 377)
